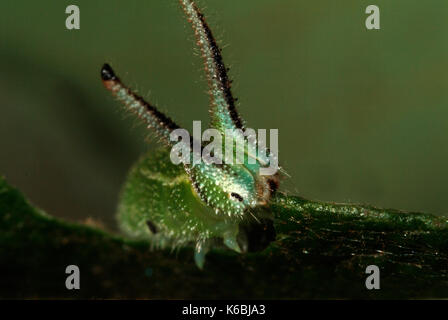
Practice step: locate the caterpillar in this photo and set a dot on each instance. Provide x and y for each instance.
(204, 204)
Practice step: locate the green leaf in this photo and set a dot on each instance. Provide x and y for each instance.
(321, 251)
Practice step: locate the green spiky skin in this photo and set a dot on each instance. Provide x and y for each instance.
(160, 192)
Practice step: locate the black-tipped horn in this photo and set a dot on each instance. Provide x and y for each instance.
(107, 73)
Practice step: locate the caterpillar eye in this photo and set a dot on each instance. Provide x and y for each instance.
(273, 185)
(152, 227)
(237, 196)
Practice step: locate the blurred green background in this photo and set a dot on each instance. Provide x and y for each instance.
(362, 115)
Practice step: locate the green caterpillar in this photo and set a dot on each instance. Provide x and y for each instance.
(202, 204)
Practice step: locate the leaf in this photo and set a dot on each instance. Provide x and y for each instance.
(321, 251)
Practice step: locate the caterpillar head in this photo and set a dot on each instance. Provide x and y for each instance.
(231, 190)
